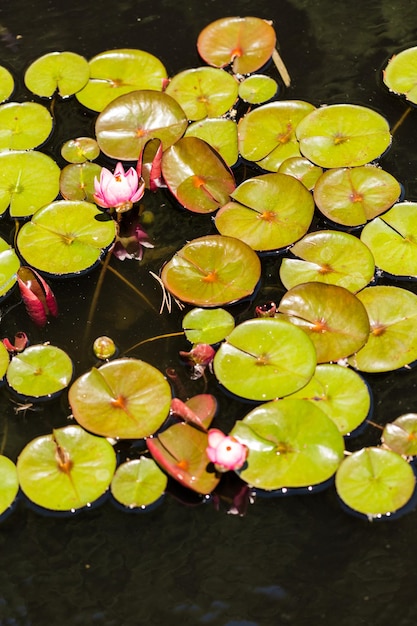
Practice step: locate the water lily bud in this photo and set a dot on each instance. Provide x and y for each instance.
(226, 452)
(104, 348)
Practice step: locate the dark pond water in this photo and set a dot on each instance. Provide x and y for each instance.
(299, 560)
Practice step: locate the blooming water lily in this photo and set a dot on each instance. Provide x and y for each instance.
(226, 452)
(118, 191)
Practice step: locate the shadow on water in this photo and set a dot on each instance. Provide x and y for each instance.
(298, 560)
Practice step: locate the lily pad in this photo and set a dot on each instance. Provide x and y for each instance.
(245, 42)
(375, 482)
(302, 169)
(66, 470)
(220, 134)
(23, 125)
(127, 123)
(400, 75)
(65, 237)
(257, 89)
(265, 358)
(341, 393)
(4, 360)
(28, 181)
(204, 92)
(267, 134)
(138, 483)
(268, 212)
(114, 73)
(208, 271)
(80, 150)
(329, 256)
(207, 325)
(334, 318)
(65, 72)
(40, 371)
(6, 84)
(9, 483)
(77, 181)
(292, 443)
(343, 135)
(353, 196)
(196, 175)
(9, 264)
(392, 239)
(400, 436)
(392, 341)
(124, 398)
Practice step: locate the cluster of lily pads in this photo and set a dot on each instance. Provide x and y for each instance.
(298, 361)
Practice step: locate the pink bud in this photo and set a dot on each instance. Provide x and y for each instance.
(226, 452)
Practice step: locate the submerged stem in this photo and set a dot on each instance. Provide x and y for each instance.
(280, 65)
(166, 336)
(4, 438)
(96, 295)
(401, 120)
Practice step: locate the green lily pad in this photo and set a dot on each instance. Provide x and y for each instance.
(138, 483)
(267, 134)
(28, 181)
(340, 393)
(245, 42)
(127, 123)
(375, 482)
(400, 436)
(268, 212)
(257, 89)
(334, 318)
(66, 470)
(392, 239)
(9, 264)
(302, 169)
(207, 325)
(80, 150)
(196, 175)
(181, 451)
(292, 443)
(352, 196)
(124, 398)
(114, 73)
(9, 483)
(208, 271)
(265, 358)
(343, 135)
(65, 72)
(77, 181)
(392, 341)
(65, 237)
(4, 360)
(329, 256)
(203, 92)
(220, 134)
(6, 84)
(400, 75)
(23, 125)
(40, 371)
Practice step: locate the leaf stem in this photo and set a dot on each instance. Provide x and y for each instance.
(166, 336)
(401, 120)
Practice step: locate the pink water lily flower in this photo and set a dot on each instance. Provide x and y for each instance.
(119, 190)
(226, 452)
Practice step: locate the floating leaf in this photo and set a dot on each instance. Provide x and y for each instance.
(40, 371)
(4, 359)
(114, 73)
(208, 271)
(302, 169)
(220, 134)
(126, 125)
(65, 72)
(6, 84)
(343, 135)
(392, 239)
(23, 125)
(65, 237)
(245, 42)
(138, 483)
(66, 470)
(291, 442)
(400, 436)
(80, 150)
(203, 92)
(375, 482)
(9, 483)
(352, 196)
(400, 75)
(37, 295)
(196, 175)
(257, 89)
(9, 264)
(77, 181)
(340, 393)
(207, 325)
(28, 181)
(268, 212)
(334, 318)
(329, 256)
(392, 342)
(124, 398)
(265, 358)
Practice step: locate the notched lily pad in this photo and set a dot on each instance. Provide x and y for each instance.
(400, 436)
(24, 125)
(138, 483)
(207, 325)
(400, 74)
(65, 72)
(9, 264)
